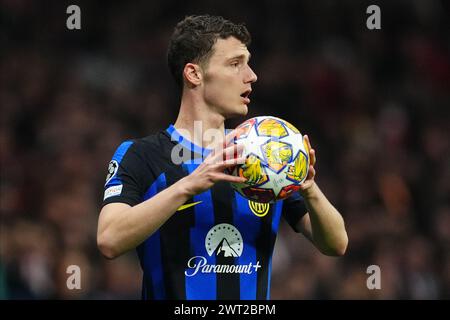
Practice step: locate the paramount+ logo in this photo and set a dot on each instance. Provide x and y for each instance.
(259, 209)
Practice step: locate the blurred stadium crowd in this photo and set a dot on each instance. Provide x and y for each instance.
(374, 103)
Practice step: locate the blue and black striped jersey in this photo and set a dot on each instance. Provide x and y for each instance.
(218, 245)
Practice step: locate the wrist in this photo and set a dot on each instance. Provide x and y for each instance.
(184, 188)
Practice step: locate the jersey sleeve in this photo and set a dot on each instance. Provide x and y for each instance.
(294, 209)
(128, 176)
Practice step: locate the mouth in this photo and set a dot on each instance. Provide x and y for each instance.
(245, 95)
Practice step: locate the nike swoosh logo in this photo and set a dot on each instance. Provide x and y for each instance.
(185, 206)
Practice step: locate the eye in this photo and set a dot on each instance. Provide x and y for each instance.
(235, 64)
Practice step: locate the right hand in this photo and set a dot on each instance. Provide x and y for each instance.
(212, 169)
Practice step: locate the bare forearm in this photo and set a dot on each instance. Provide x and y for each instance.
(126, 229)
(326, 223)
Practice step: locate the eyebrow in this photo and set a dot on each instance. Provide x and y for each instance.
(241, 57)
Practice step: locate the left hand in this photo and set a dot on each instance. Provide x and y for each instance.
(309, 181)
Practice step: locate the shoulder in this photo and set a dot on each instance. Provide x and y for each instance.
(145, 145)
(150, 150)
(152, 146)
(137, 157)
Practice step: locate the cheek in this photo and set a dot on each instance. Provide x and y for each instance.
(217, 88)
(213, 91)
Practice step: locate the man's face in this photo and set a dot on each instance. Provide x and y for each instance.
(228, 78)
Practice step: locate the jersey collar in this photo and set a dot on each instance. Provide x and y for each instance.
(176, 136)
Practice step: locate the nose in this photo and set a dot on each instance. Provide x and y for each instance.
(251, 76)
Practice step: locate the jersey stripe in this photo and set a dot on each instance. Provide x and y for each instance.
(204, 219)
(263, 246)
(275, 223)
(123, 148)
(250, 227)
(151, 248)
(176, 136)
(118, 156)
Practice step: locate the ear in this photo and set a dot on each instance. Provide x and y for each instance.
(193, 74)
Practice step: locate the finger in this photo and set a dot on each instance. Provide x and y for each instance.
(230, 137)
(311, 173)
(226, 141)
(231, 162)
(229, 178)
(308, 143)
(232, 152)
(305, 185)
(223, 144)
(312, 157)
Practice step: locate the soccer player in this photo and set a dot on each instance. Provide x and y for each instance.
(196, 237)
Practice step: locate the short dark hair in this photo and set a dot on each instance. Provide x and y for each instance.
(194, 38)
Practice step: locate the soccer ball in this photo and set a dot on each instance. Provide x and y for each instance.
(277, 159)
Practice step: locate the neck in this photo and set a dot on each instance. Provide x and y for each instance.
(196, 118)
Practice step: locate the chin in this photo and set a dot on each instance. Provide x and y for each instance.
(241, 111)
